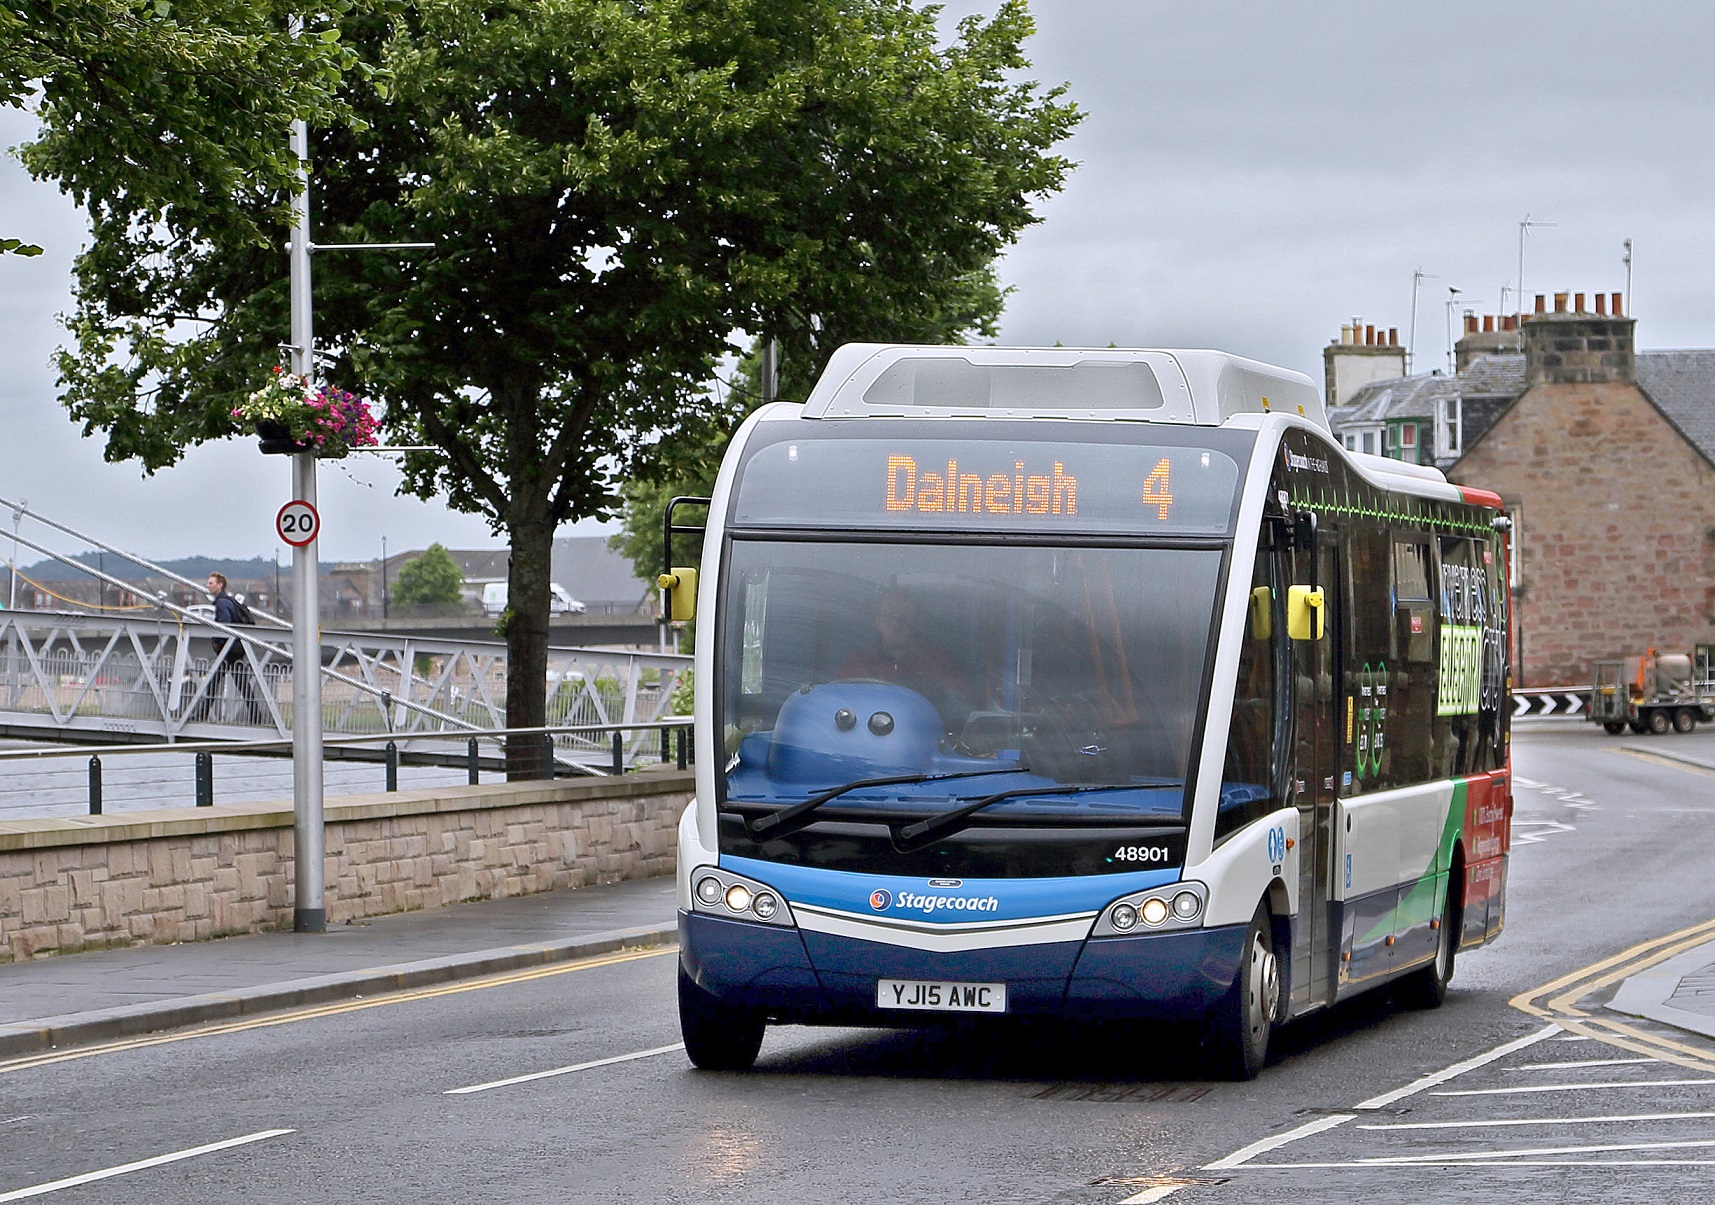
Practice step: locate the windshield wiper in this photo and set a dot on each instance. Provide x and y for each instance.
(917, 832)
(764, 825)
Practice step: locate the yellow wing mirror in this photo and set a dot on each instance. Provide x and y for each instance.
(1262, 613)
(680, 586)
(1304, 612)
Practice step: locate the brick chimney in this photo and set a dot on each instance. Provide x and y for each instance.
(1488, 335)
(1569, 346)
(1363, 354)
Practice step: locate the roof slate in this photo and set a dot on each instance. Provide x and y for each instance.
(1682, 386)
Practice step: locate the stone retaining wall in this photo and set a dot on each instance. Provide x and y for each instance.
(190, 873)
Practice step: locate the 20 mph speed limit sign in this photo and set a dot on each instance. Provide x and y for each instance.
(298, 523)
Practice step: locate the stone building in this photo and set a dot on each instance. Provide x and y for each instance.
(1605, 457)
(1606, 461)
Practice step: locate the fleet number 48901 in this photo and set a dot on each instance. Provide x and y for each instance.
(1141, 853)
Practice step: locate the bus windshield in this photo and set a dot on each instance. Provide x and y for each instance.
(963, 673)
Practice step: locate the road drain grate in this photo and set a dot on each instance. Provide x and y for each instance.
(1125, 1093)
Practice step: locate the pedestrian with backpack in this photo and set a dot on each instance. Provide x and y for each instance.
(231, 662)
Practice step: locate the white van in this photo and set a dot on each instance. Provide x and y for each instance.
(559, 601)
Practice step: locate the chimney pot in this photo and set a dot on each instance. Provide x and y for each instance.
(1509, 322)
(1345, 332)
(1393, 336)
(1470, 324)
(1601, 303)
(1615, 307)
(1541, 304)
(1560, 303)
(1488, 323)
(1370, 335)
(1578, 303)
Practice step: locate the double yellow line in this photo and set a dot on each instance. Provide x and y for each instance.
(316, 1012)
(1558, 1001)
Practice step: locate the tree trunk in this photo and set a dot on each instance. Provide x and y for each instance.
(527, 579)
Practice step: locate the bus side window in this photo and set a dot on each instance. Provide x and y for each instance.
(1410, 665)
(1246, 793)
(1368, 664)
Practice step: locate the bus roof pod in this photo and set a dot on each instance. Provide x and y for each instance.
(869, 380)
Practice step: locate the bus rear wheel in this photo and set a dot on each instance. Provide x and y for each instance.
(1244, 1020)
(718, 1037)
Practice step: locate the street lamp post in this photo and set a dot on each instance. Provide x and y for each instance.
(309, 913)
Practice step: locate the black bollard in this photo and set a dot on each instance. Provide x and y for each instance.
(547, 755)
(392, 766)
(618, 754)
(95, 786)
(471, 763)
(205, 780)
(681, 735)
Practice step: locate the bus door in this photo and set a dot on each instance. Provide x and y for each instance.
(1316, 699)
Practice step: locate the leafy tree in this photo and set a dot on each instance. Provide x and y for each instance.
(612, 190)
(430, 579)
(159, 108)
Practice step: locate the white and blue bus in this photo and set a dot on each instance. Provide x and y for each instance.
(1083, 684)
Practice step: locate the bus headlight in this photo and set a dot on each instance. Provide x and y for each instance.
(721, 893)
(1175, 906)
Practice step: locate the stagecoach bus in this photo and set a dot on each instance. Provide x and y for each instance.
(1083, 684)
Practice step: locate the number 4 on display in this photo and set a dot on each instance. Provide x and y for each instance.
(1157, 489)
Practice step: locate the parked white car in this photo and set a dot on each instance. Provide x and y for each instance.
(559, 601)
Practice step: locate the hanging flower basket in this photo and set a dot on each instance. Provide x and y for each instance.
(290, 415)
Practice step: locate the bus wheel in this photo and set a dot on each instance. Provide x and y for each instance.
(718, 1037)
(1614, 727)
(1427, 987)
(1684, 720)
(1238, 1044)
(1658, 721)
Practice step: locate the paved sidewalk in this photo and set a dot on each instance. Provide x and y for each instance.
(1679, 992)
(106, 994)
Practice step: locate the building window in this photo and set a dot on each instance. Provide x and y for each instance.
(1370, 442)
(1408, 435)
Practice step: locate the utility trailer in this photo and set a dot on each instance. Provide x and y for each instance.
(1655, 692)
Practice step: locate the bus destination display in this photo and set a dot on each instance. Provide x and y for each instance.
(983, 485)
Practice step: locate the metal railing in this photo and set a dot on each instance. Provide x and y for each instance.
(564, 753)
(87, 677)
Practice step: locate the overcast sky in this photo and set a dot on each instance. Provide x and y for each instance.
(1251, 175)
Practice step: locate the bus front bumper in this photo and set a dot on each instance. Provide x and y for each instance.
(816, 978)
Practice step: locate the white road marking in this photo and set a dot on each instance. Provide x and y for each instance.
(1457, 1069)
(1281, 1167)
(1583, 1063)
(1573, 1037)
(37, 1190)
(1531, 1152)
(1632, 1083)
(1469, 1124)
(1264, 1145)
(1159, 1193)
(525, 1079)
(1540, 829)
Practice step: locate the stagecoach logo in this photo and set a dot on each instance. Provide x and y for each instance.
(880, 899)
(1304, 464)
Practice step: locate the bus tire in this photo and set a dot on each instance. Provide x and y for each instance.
(1244, 1020)
(1614, 727)
(718, 1037)
(1658, 721)
(1684, 720)
(1426, 987)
